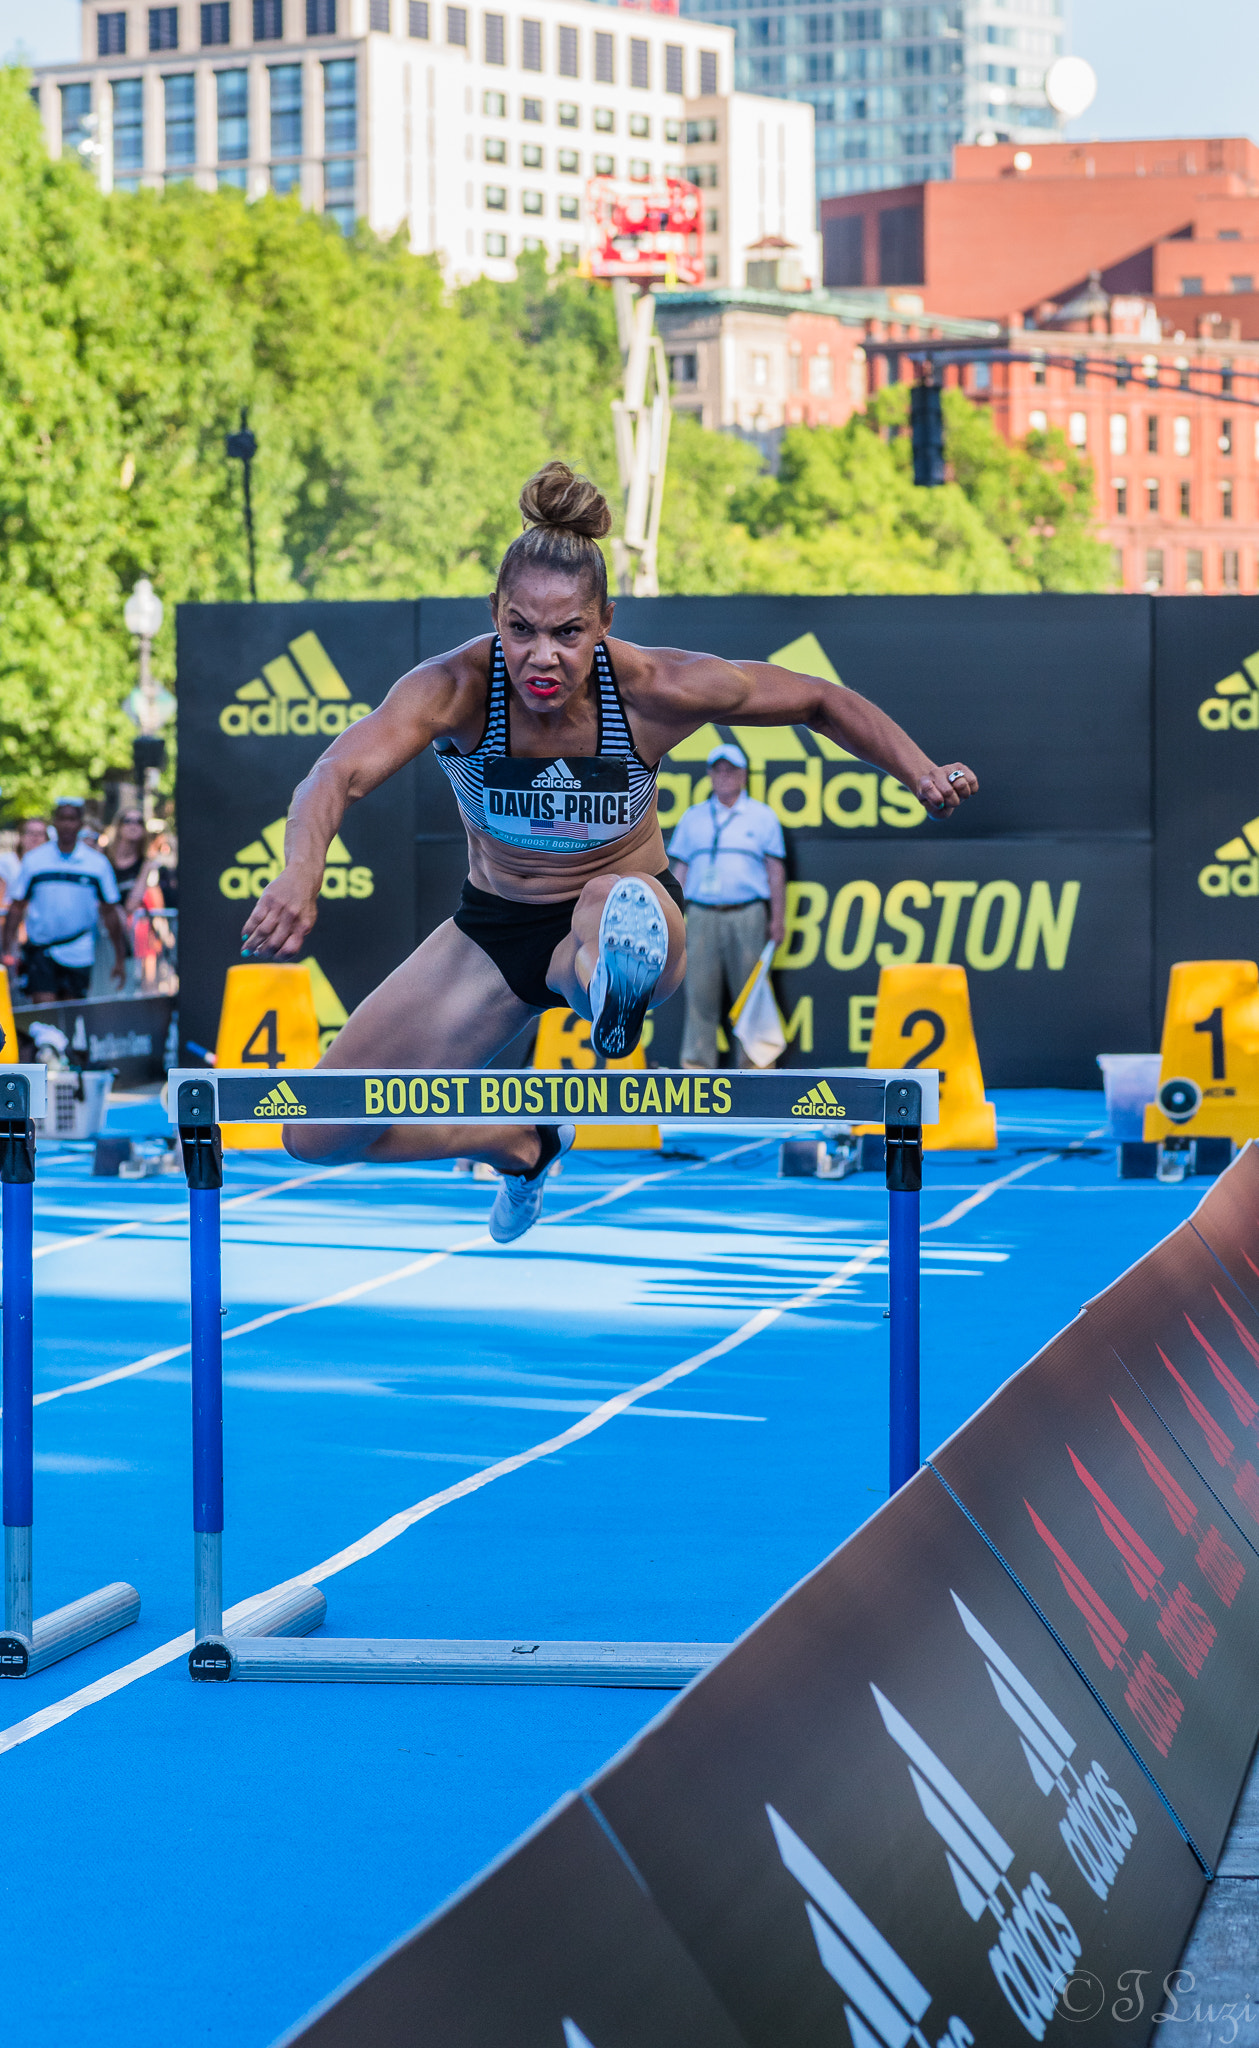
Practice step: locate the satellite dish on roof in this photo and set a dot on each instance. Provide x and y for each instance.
(1070, 86)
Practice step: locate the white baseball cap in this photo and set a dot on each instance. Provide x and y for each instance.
(728, 752)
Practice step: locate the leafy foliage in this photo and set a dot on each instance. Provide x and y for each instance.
(396, 422)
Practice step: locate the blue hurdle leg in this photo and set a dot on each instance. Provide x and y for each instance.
(904, 1183)
(17, 1200)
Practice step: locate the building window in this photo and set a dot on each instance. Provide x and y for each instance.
(111, 35)
(268, 21)
(1151, 495)
(1182, 435)
(605, 120)
(1191, 287)
(1229, 576)
(1081, 373)
(1037, 423)
(531, 46)
(163, 28)
(233, 113)
(703, 130)
(605, 166)
(1123, 370)
(760, 370)
(605, 68)
(570, 206)
(1078, 430)
(1119, 433)
(1153, 569)
(673, 67)
(496, 198)
(1226, 437)
(1242, 283)
(1182, 373)
(569, 160)
(712, 264)
(231, 180)
(340, 104)
(216, 24)
(1226, 501)
(567, 114)
(417, 20)
(640, 125)
(286, 110)
(1193, 570)
(684, 369)
(568, 52)
(1226, 380)
(181, 119)
(285, 178)
(1151, 434)
(703, 175)
(821, 374)
(673, 133)
(531, 110)
(379, 16)
(128, 125)
(1121, 498)
(1184, 501)
(639, 170)
(457, 27)
(321, 17)
(495, 149)
(496, 245)
(1150, 365)
(531, 155)
(495, 105)
(1038, 371)
(712, 220)
(707, 73)
(495, 39)
(76, 112)
(531, 202)
(981, 377)
(338, 193)
(570, 252)
(640, 71)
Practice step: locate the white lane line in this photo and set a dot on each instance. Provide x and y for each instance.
(361, 1287)
(960, 1209)
(165, 1217)
(397, 1525)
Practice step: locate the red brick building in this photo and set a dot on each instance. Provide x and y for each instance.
(1128, 271)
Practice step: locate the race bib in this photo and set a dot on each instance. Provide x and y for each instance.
(557, 806)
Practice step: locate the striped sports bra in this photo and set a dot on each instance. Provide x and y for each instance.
(561, 806)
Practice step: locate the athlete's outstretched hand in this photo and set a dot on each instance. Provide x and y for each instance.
(277, 925)
(941, 790)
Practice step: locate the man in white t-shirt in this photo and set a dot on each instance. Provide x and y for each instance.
(59, 889)
(730, 857)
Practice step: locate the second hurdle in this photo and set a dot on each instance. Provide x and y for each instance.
(276, 1645)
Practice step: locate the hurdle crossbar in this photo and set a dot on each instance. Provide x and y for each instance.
(273, 1647)
(28, 1644)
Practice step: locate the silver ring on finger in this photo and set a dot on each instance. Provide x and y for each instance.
(958, 775)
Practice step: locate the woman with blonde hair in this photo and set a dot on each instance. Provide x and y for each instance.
(551, 734)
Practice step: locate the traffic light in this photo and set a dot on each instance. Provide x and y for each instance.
(927, 427)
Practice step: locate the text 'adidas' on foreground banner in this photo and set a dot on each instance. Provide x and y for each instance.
(263, 689)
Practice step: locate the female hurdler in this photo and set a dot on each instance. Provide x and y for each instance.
(551, 735)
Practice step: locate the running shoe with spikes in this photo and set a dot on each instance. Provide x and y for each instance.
(518, 1203)
(633, 948)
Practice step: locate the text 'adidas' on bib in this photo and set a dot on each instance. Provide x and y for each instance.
(563, 806)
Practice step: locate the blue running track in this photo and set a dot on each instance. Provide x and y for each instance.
(202, 1864)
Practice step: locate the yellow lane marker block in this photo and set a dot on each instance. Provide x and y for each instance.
(8, 1052)
(564, 1041)
(1211, 1042)
(268, 1021)
(922, 1019)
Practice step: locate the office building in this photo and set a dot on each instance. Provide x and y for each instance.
(895, 89)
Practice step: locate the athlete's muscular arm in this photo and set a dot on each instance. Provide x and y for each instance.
(697, 688)
(434, 700)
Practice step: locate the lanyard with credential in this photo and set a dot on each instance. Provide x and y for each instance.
(718, 828)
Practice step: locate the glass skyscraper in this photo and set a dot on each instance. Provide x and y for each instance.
(893, 88)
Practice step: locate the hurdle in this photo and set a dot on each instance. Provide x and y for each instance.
(275, 1647)
(29, 1645)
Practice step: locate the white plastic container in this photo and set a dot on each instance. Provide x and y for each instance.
(76, 1103)
(1131, 1080)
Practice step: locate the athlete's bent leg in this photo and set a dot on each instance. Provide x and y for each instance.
(574, 960)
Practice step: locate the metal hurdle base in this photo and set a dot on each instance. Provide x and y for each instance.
(355, 1660)
(28, 1646)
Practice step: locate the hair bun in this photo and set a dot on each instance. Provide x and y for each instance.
(557, 496)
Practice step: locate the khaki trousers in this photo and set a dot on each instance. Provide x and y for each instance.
(722, 948)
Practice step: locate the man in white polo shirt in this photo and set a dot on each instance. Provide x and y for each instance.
(729, 856)
(59, 889)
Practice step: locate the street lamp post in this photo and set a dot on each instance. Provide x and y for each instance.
(242, 447)
(149, 706)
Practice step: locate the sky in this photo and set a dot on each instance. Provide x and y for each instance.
(1163, 68)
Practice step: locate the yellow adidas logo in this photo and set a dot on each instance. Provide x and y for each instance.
(1240, 877)
(280, 1102)
(821, 1100)
(261, 861)
(303, 693)
(1235, 704)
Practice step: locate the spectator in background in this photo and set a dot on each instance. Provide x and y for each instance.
(730, 858)
(59, 888)
(32, 832)
(126, 848)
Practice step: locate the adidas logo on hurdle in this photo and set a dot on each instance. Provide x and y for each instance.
(1235, 869)
(303, 693)
(1235, 704)
(280, 1102)
(820, 1101)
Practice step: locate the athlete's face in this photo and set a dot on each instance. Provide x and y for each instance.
(549, 626)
